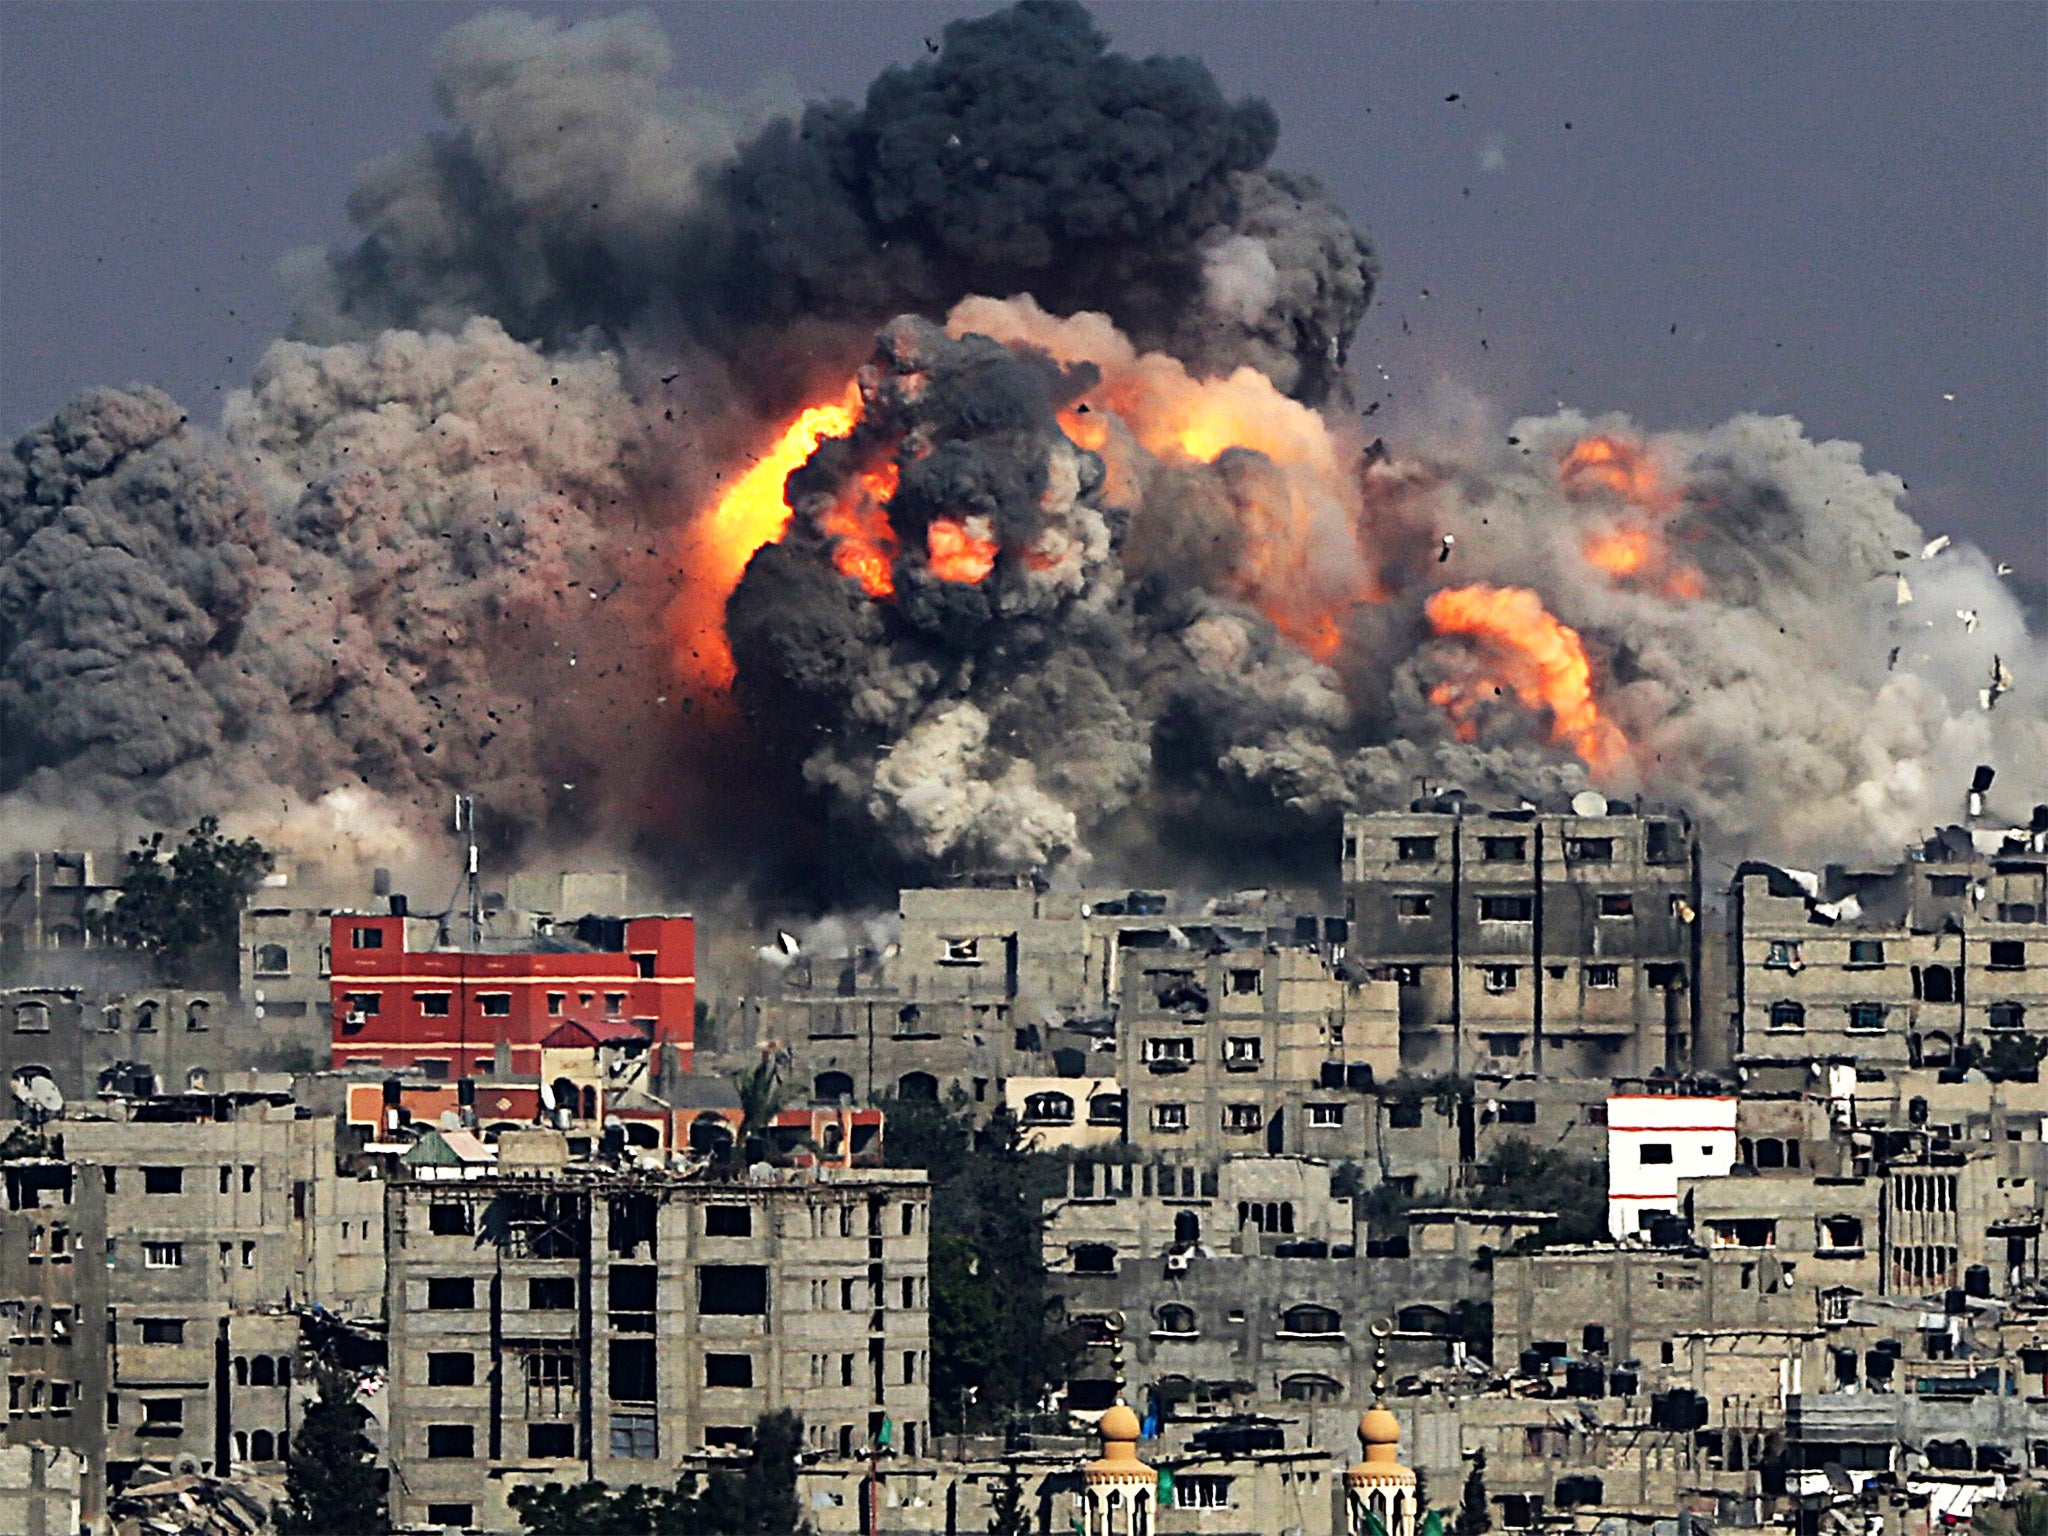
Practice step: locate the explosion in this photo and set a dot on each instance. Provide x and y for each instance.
(720, 542)
(1526, 650)
(1104, 568)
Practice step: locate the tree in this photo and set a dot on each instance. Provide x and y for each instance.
(1475, 1512)
(992, 1327)
(1517, 1175)
(2013, 1058)
(332, 1484)
(1007, 1512)
(762, 1095)
(186, 908)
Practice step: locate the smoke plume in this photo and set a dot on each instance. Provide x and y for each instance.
(1081, 561)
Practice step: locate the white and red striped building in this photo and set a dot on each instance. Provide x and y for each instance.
(1654, 1141)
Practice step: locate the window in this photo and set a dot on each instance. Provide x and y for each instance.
(1841, 1232)
(1048, 1109)
(962, 951)
(556, 1001)
(1176, 1048)
(1310, 1389)
(2006, 1015)
(1309, 1318)
(32, 1018)
(1415, 850)
(1506, 909)
(643, 965)
(1654, 1153)
(163, 1415)
(633, 1437)
(551, 1442)
(1246, 981)
(1169, 1117)
(1499, 978)
(451, 1442)
(449, 1295)
(1589, 850)
(551, 1293)
(459, 1515)
(1603, 978)
(632, 1371)
(273, 960)
(614, 1004)
(433, 1005)
(1405, 1116)
(728, 1221)
(1948, 885)
(145, 1016)
(1106, 1109)
(1664, 976)
(1325, 1115)
(1617, 904)
(1866, 1016)
(2008, 955)
(1093, 1258)
(1866, 952)
(1496, 850)
(451, 1370)
(1243, 1117)
(368, 1004)
(1413, 905)
(2018, 912)
(445, 1219)
(1243, 1050)
(163, 1181)
(1786, 1014)
(367, 938)
(1518, 1112)
(1176, 1319)
(196, 1015)
(494, 1005)
(162, 1255)
(1204, 1492)
(162, 1330)
(732, 1290)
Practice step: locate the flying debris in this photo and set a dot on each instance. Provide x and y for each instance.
(1949, 398)
(1905, 591)
(2001, 683)
(1969, 618)
(1934, 547)
(1980, 786)
(2004, 568)
(1892, 660)
(1443, 551)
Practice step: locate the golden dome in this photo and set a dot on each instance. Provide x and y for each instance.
(1378, 1427)
(1119, 1462)
(1121, 1423)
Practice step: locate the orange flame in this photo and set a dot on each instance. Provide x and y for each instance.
(864, 544)
(1613, 464)
(960, 551)
(717, 547)
(1542, 660)
(1620, 551)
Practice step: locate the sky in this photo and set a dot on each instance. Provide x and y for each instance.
(1836, 211)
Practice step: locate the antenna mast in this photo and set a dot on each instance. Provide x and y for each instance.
(465, 822)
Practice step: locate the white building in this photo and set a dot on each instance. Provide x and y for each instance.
(1654, 1141)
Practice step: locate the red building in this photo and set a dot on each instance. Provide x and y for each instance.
(447, 1011)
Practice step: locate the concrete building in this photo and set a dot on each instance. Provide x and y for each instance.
(1902, 965)
(208, 1227)
(1558, 943)
(584, 1320)
(1654, 1143)
(49, 900)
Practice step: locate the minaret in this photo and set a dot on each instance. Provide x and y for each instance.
(1118, 1489)
(1379, 1487)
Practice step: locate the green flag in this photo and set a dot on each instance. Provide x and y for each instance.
(1374, 1526)
(887, 1437)
(1165, 1486)
(1433, 1523)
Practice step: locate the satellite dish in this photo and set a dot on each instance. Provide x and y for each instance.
(1589, 802)
(547, 1096)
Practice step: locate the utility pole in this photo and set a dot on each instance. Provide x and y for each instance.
(465, 822)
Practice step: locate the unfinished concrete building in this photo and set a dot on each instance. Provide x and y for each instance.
(589, 1320)
(1562, 944)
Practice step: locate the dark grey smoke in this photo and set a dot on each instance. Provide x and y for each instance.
(1024, 157)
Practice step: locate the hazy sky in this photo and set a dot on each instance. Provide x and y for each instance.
(1843, 209)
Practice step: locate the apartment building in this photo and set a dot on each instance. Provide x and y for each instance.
(209, 1221)
(1901, 965)
(1565, 943)
(400, 998)
(589, 1320)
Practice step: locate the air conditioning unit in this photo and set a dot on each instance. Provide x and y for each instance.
(1176, 1263)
